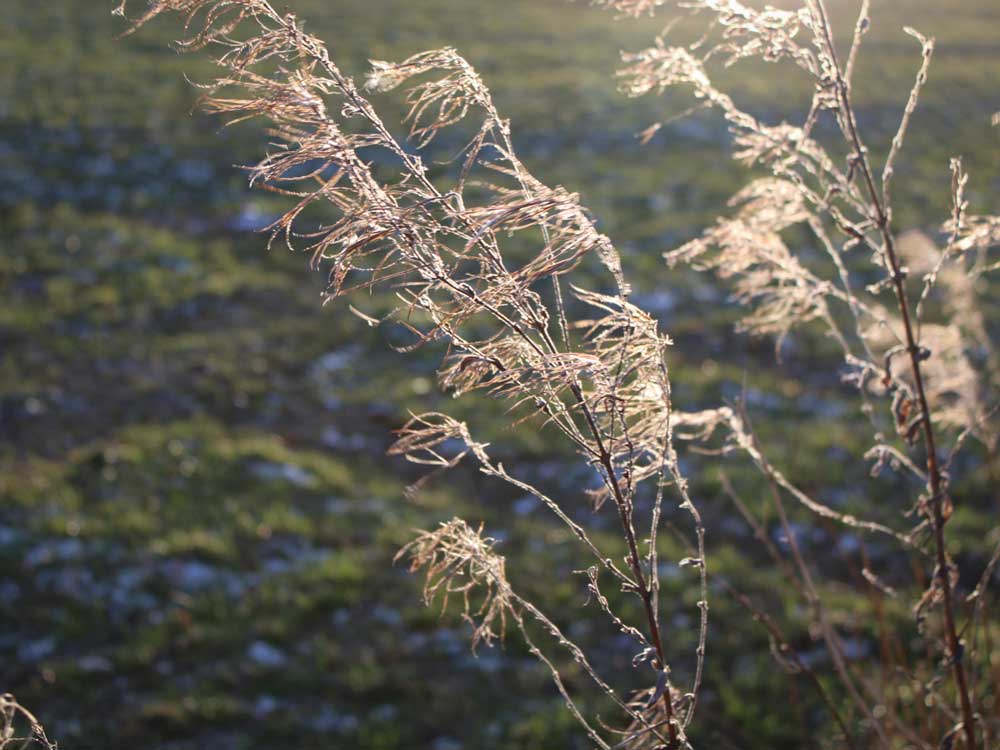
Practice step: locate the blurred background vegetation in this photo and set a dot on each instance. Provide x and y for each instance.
(197, 519)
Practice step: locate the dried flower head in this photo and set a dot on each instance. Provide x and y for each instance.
(458, 560)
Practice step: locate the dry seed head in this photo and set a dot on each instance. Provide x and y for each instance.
(458, 560)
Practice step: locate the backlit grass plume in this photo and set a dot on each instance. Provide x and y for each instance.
(578, 357)
(503, 324)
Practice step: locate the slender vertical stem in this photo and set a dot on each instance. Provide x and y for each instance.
(634, 559)
(936, 484)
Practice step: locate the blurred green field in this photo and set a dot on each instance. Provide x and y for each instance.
(197, 519)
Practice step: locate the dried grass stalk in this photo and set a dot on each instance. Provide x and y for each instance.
(592, 367)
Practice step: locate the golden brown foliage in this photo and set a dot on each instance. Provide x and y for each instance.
(592, 367)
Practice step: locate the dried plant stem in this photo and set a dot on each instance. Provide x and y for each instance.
(936, 484)
(11, 712)
(645, 591)
(778, 638)
(812, 595)
(601, 381)
(789, 651)
(623, 504)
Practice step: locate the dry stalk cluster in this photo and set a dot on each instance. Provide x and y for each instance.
(936, 375)
(591, 365)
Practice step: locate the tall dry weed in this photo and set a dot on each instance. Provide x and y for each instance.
(514, 330)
